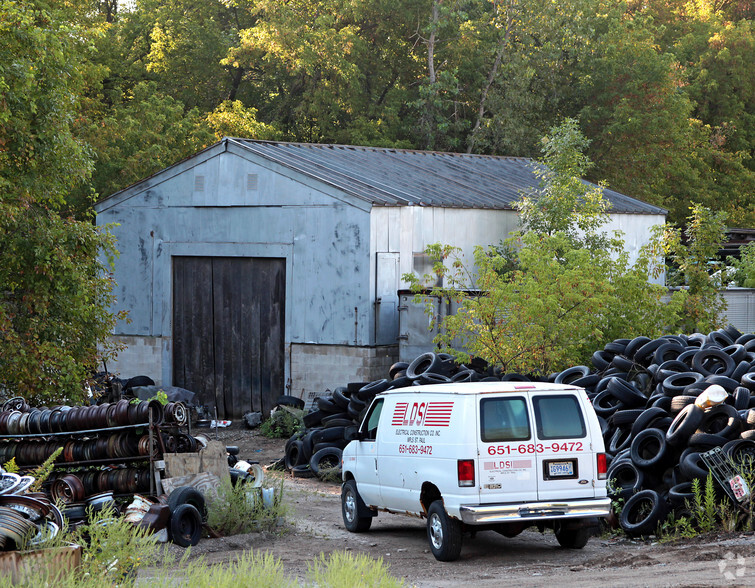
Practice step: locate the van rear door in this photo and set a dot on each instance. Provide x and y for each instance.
(566, 466)
(507, 459)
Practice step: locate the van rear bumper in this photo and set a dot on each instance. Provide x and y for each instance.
(532, 511)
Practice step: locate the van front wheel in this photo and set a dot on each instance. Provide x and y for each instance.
(443, 532)
(351, 505)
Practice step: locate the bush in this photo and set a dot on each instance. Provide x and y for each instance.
(283, 423)
(240, 509)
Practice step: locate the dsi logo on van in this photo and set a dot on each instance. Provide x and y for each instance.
(427, 414)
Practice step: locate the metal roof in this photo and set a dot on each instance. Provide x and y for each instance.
(401, 177)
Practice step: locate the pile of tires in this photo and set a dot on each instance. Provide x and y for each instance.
(644, 393)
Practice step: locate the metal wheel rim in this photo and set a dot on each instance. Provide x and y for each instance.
(350, 506)
(436, 531)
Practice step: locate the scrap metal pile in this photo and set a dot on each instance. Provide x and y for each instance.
(107, 454)
(644, 392)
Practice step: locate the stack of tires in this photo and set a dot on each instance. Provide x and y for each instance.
(644, 393)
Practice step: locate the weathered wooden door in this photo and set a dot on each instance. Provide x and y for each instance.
(228, 331)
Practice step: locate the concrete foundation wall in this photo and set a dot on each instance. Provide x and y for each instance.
(142, 357)
(316, 369)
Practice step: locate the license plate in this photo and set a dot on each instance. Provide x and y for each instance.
(560, 468)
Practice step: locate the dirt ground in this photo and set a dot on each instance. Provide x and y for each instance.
(314, 526)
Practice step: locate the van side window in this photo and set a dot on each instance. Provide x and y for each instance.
(559, 417)
(371, 421)
(504, 419)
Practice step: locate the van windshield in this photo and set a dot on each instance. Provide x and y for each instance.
(504, 419)
(558, 417)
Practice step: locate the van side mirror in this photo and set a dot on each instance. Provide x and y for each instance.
(352, 434)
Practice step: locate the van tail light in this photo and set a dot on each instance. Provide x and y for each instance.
(465, 469)
(602, 466)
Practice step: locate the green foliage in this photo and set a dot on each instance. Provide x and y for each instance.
(240, 509)
(43, 73)
(114, 549)
(704, 507)
(258, 568)
(694, 268)
(11, 466)
(42, 472)
(55, 297)
(570, 290)
(283, 423)
(744, 266)
(345, 570)
(233, 119)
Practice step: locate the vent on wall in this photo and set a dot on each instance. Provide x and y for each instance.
(199, 183)
(251, 182)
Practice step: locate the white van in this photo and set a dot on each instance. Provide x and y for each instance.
(475, 456)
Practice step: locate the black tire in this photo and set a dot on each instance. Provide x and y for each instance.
(427, 362)
(399, 366)
(748, 380)
(286, 400)
(647, 418)
(722, 420)
(625, 417)
(328, 434)
(137, 381)
(302, 471)
(432, 378)
(327, 405)
(685, 423)
(712, 361)
(574, 538)
(647, 350)
(642, 513)
(679, 494)
(706, 441)
(741, 398)
(351, 507)
(369, 390)
(620, 440)
(325, 460)
(624, 391)
(675, 384)
(679, 402)
(340, 399)
(573, 373)
(188, 495)
(443, 533)
(294, 454)
(185, 525)
(649, 449)
(314, 418)
(692, 466)
(635, 344)
(626, 478)
(605, 404)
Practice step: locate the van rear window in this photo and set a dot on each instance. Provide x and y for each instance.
(504, 419)
(559, 417)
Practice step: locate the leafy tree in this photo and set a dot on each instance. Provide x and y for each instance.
(54, 294)
(566, 296)
(693, 267)
(744, 266)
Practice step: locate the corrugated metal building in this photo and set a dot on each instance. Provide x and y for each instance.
(258, 268)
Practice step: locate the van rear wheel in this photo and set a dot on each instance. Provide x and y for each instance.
(351, 505)
(572, 538)
(443, 532)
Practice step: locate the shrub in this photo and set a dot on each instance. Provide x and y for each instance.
(240, 509)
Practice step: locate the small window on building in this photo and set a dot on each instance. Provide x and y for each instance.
(559, 417)
(504, 419)
(251, 182)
